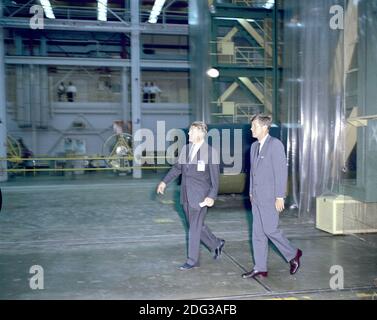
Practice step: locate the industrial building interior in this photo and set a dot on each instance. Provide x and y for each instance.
(79, 80)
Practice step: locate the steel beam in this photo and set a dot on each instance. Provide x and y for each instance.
(97, 26)
(3, 111)
(135, 82)
(235, 71)
(245, 13)
(64, 61)
(275, 88)
(126, 112)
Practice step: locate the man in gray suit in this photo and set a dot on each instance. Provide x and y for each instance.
(198, 163)
(268, 181)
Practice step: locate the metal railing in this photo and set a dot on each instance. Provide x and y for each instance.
(246, 110)
(264, 30)
(265, 87)
(242, 112)
(252, 3)
(250, 56)
(79, 163)
(167, 16)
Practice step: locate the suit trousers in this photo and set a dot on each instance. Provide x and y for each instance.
(265, 227)
(198, 231)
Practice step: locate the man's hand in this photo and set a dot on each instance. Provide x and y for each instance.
(251, 197)
(209, 202)
(161, 187)
(279, 204)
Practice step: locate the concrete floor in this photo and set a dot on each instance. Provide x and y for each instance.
(110, 237)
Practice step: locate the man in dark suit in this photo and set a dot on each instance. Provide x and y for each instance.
(268, 181)
(198, 163)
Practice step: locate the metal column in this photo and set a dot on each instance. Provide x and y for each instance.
(126, 112)
(199, 20)
(44, 97)
(35, 84)
(44, 94)
(18, 43)
(43, 46)
(275, 62)
(20, 109)
(135, 79)
(26, 96)
(3, 107)
(35, 91)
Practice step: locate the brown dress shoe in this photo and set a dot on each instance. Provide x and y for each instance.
(295, 262)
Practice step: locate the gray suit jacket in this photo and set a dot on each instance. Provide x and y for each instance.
(196, 185)
(268, 171)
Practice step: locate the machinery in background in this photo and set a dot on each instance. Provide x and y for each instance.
(119, 147)
(17, 152)
(13, 152)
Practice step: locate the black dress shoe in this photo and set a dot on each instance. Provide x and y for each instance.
(219, 249)
(253, 273)
(295, 262)
(187, 266)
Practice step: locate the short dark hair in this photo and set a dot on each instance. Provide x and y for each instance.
(263, 119)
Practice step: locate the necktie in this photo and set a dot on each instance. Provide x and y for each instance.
(258, 149)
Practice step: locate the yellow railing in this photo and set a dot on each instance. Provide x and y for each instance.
(53, 166)
(242, 112)
(22, 170)
(252, 56)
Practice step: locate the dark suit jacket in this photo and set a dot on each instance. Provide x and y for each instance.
(268, 171)
(196, 185)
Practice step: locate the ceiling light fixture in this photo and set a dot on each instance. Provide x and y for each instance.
(269, 4)
(213, 73)
(156, 10)
(47, 8)
(102, 10)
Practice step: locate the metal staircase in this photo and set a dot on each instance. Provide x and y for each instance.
(243, 50)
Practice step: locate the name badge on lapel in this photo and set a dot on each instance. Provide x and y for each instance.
(201, 165)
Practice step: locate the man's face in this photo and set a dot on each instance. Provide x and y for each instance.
(258, 130)
(195, 134)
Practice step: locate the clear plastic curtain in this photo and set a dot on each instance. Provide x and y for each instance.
(312, 105)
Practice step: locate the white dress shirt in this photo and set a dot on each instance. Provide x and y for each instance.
(261, 143)
(195, 148)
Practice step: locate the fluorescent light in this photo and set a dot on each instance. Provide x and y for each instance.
(228, 18)
(156, 10)
(269, 4)
(213, 73)
(47, 9)
(102, 10)
(152, 20)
